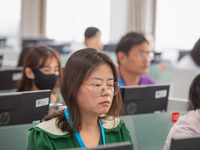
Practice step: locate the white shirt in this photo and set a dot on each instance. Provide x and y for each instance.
(187, 125)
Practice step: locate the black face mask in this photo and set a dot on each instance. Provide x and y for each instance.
(44, 81)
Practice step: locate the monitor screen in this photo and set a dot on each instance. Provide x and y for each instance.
(61, 48)
(186, 143)
(113, 146)
(9, 78)
(109, 47)
(145, 98)
(36, 41)
(23, 107)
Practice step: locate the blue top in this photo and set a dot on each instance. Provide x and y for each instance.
(144, 80)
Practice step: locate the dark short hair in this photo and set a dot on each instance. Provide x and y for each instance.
(195, 52)
(129, 40)
(194, 94)
(90, 32)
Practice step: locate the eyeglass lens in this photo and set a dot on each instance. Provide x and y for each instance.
(114, 88)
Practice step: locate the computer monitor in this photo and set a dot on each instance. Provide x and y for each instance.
(109, 47)
(61, 48)
(9, 78)
(36, 41)
(157, 57)
(23, 107)
(114, 146)
(186, 143)
(145, 98)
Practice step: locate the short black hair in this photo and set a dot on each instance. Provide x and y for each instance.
(90, 32)
(129, 40)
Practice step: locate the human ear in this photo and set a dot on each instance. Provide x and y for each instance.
(29, 73)
(121, 57)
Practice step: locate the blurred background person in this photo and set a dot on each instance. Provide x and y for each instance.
(134, 58)
(93, 38)
(192, 59)
(189, 124)
(42, 70)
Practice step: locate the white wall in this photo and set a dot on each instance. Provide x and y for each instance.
(118, 19)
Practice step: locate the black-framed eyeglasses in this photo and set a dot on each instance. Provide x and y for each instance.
(99, 88)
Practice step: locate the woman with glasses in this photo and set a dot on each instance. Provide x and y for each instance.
(134, 58)
(91, 92)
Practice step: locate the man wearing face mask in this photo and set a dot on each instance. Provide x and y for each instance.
(41, 70)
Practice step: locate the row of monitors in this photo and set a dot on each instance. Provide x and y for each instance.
(65, 47)
(9, 76)
(61, 48)
(31, 106)
(186, 143)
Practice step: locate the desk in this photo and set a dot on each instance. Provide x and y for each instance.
(14, 137)
(149, 131)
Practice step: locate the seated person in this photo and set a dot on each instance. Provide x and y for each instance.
(90, 89)
(189, 124)
(191, 60)
(93, 38)
(134, 58)
(41, 70)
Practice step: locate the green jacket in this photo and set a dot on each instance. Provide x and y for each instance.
(47, 136)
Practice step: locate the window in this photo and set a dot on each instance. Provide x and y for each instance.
(68, 19)
(10, 17)
(177, 24)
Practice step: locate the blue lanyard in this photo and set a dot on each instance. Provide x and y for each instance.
(78, 135)
(121, 82)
